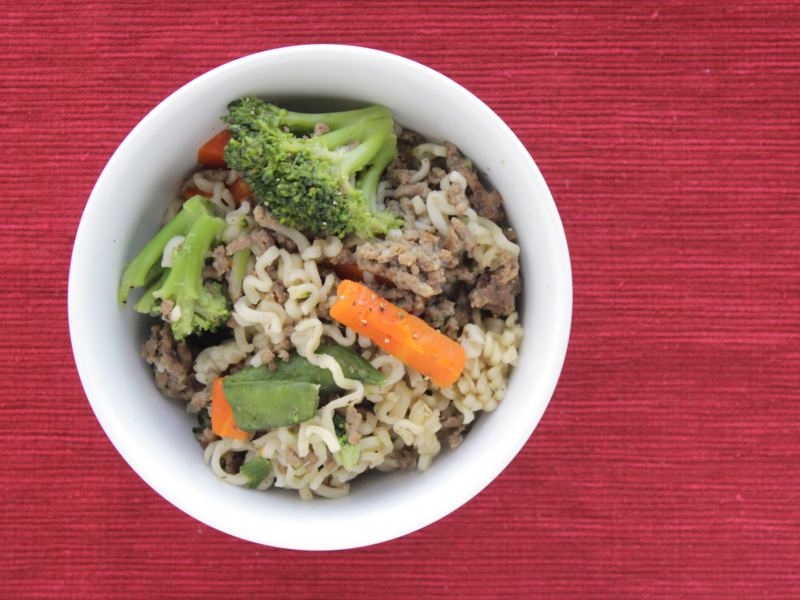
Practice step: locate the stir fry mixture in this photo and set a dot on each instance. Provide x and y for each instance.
(334, 295)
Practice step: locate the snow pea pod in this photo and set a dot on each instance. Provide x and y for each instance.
(261, 405)
(297, 368)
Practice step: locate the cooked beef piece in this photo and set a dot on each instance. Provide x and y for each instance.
(464, 234)
(409, 215)
(205, 437)
(330, 462)
(486, 204)
(202, 398)
(268, 220)
(306, 464)
(463, 274)
(405, 459)
(353, 425)
(232, 461)
(435, 176)
(406, 142)
(458, 198)
(397, 163)
(259, 242)
(509, 268)
(280, 350)
(455, 439)
(398, 177)
(412, 138)
(453, 421)
(402, 299)
(418, 266)
(453, 428)
(172, 363)
(491, 294)
(412, 189)
(220, 265)
(166, 307)
(278, 291)
(321, 128)
(439, 311)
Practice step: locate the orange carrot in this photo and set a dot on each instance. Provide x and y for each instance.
(212, 154)
(240, 191)
(401, 334)
(222, 422)
(353, 273)
(191, 192)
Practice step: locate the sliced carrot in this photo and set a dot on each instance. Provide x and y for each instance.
(212, 154)
(401, 334)
(222, 422)
(353, 273)
(240, 191)
(191, 192)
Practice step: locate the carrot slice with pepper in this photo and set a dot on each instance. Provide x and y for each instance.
(212, 154)
(401, 334)
(222, 422)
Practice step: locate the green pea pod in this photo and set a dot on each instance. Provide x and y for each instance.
(297, 368)
(261, 405)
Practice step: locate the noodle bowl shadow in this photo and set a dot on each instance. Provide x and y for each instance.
(154, 435)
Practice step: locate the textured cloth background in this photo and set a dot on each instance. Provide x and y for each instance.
(667, 463)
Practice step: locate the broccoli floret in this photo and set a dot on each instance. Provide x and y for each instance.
(306, 181)
(349, 454)
(195, 308)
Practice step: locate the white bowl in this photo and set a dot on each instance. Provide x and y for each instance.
(153, 434)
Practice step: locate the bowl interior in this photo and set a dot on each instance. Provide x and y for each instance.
(154, 435)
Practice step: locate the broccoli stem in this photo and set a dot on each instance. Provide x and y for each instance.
(184, 284)
(369, 178)
(305, 122)
(136, 273)
(358, 158)
(239, 268)
(145, 305)
(351, 133)
(187, 267)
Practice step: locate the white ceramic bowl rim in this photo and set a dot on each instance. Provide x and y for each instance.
(414, 502)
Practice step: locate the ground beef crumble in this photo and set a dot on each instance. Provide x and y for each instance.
(486, 204)
(415, 263)
(493, 295)
(220, 265)
(172, 363)
(353, 425)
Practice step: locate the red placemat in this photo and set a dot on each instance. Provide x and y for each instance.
(667, 463)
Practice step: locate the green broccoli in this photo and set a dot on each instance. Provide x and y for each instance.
(195, 308)
(306, 182)
(349, 454)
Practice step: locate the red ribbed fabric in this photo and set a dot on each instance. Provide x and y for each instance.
(667, 465)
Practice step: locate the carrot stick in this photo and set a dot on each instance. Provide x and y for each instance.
(222, 422)
(401, 334)
(240, 191)
(353, 273)
(212, 154)
(192, 192)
